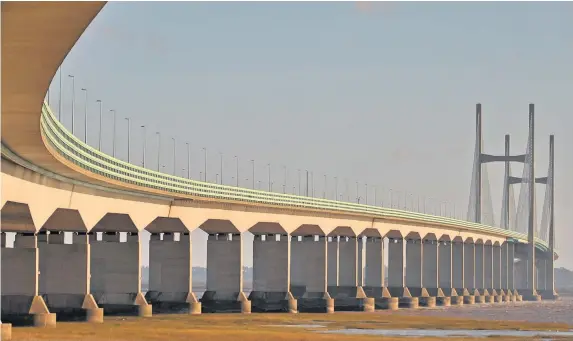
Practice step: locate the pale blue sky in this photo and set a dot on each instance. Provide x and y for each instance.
(380, 93)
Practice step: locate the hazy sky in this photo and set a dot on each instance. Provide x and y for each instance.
(380, 93)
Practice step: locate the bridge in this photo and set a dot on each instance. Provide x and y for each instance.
(309, 254)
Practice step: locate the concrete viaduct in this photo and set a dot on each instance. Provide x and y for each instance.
(309, 254)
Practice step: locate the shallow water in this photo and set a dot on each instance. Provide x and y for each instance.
(446, 333)
(296, 325)
(545, 311)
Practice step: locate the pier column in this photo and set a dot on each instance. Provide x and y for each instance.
(445, 267)
(430, 265)
(170, 274)
(396, 273)
(396, 276)
(65, 276)
(496, 277)
(488, 269)
(333, 264)
(348, 253)
(510, 266)
(360, 263)
(225, 275)
(348, 295)
(469, 265)
(481, 268)
(374, 269)
(541, 275)
(458, 266)
(414, 266)
(309, 269)
(271, 274)
(116, 274)
(504, 266)
(21, 304)
(414, 252)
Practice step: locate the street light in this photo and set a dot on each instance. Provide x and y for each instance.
(285, 181)
(237, 169)
(188, 161)
(270, 189)
(158, 148)
(100, 123)
(128, 138)
(325, 187)
(205, 162)
(144, 145)
(253, 161)
(113, 136)
(86, 116)
(221, 166)
(174, 155)
(73, 100)
(335, 188)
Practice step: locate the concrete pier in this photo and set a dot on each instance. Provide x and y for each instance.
(458, 272)
(271, 274)
(430, 273)
(481, 262)
(116, 274)
(445, 273)
(396, 276)
(469, 272)
(496, 276)
(348, 295)
(488, 268)
(225, 275)
(333, 264)
(21, 304)
(170, 279)
(64, 279)
(374, 276)
(309, 274)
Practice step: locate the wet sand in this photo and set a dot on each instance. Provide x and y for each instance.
(560, 311)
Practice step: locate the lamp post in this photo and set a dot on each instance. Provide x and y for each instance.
(188, 161)
(113, 134)
(270, 189)
(335, 188)
(158, 148)
(253, 161)
(100, 123)
(237, 169)
(221, 166)
(325, 187)
(299, 182)
(144, 144)
(205, 162)
(85, 116)
(128, 138)
(285, 180)
(174, 155)
(73, 100)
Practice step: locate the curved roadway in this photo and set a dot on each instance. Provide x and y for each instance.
(36, 37)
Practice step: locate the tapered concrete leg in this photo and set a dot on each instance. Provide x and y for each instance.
(309, 274)
(116, 286)
(271, 274)
(170, 274)
(225, 275)
(348, 295)
(65, 276)
(21, 304)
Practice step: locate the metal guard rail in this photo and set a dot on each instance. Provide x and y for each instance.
(94, 161)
